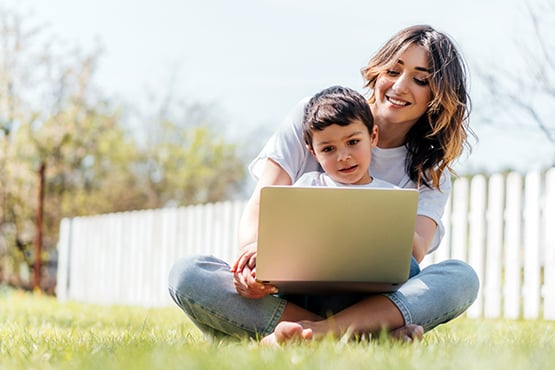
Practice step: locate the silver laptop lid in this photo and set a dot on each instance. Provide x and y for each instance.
(344, 239)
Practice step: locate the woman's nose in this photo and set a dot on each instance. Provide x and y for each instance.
(401, 85)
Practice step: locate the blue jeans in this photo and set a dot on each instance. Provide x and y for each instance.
(202, 286)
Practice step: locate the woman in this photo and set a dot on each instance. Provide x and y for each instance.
(420, 105)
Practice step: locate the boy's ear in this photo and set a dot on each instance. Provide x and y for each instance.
(374, 136)
(311, 150)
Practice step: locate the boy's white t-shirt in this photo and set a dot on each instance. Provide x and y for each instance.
(287, 148)
(317, 178)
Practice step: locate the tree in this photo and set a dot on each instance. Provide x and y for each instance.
(55, 123)
(52, 123)
(189, 165)
(15, 110)
(186, 158)
(525, 93)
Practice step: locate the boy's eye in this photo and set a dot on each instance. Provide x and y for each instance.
(353, 141)
(327, 149)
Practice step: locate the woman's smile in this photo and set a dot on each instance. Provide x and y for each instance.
(397, 101)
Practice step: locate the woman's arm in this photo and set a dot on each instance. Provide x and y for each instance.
(272, 174)
(423, 235)
(283, 159)
(244, 268)
(429, 226)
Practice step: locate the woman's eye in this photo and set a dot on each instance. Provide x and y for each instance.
(421, 82)
(391, 72)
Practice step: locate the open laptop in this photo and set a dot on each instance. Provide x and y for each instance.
(317, 240)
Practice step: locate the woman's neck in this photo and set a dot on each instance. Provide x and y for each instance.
(389, 137)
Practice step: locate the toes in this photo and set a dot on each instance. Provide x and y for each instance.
(408, 333)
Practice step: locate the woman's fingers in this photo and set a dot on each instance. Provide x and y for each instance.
(247, 286)
(246, 258)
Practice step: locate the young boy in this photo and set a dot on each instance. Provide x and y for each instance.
(339, 131)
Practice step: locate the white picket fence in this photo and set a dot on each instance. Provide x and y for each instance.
(503, 225)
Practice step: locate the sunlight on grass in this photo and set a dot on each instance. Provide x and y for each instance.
(38, 332)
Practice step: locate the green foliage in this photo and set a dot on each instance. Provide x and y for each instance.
(52, 115)
(40, 333)
(188, 166)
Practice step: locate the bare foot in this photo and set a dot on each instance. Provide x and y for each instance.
(408, 333)
(287, 331)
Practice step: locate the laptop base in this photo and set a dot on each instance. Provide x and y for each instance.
(332, 287)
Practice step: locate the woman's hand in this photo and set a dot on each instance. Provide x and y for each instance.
(244, 268)
(244, 275)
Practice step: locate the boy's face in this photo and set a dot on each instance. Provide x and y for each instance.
(344, 152)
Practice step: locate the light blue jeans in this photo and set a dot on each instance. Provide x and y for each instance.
(202, 286)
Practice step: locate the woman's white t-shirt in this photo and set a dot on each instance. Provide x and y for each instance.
(287, 148)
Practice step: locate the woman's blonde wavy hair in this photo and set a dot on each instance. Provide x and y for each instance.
(440, 135)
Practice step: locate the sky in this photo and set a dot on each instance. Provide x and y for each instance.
(255, 59)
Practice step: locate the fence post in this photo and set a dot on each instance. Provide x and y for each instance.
(476, 252)
(549, 244)
(513, 220)
(492, 286)
(459, 219)
(64, 250)
(531, 246)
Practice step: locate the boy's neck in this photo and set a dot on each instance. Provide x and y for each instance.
(360, 182)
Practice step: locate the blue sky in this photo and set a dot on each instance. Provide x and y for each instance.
(256, 58)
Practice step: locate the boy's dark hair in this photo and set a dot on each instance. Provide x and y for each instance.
(335, 105)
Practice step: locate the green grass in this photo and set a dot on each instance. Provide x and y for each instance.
(38, 332)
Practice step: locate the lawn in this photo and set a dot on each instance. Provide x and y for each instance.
(38, 332)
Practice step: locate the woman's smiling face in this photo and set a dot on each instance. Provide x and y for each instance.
(402, 92)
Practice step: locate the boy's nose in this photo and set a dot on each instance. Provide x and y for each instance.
(343, 155)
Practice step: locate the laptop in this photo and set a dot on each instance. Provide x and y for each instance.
(323, 240)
